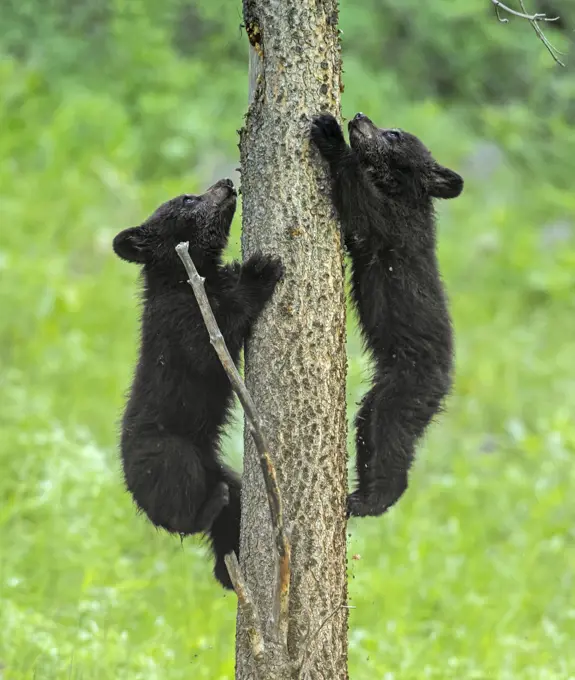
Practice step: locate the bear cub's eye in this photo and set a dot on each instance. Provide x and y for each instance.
(188, 199)
(393, 134)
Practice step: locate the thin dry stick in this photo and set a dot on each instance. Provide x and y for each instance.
(248, 608)
(534, 20)
(521, 15)
(281, 600)
(553, 51)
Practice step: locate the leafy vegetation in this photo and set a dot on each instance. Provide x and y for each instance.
(109, 108)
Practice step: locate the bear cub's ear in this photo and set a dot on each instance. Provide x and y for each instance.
(130, 245)
(444, 183)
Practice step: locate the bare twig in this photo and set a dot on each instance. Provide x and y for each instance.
(534, 20)
(553, 51)
(281, 599)
(521, 15)
(248, 608)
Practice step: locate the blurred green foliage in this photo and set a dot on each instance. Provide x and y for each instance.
(107, 109)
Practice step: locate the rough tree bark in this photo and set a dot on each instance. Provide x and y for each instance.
(295, 362)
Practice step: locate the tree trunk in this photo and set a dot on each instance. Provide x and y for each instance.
(295, 361)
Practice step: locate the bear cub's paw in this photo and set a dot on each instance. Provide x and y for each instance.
(374, 502)
(216, 502)
(265, 269)
(326, 132)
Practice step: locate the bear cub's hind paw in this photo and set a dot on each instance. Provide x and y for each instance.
(375, 502)
(218, 500)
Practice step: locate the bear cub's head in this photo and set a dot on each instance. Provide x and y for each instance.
(399, 163)
(203, 220)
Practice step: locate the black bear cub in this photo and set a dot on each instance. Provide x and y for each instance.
(383, 189)
(181, 397)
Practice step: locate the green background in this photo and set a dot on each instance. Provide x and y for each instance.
(107, 109)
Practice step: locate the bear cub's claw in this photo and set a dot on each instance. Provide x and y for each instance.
(265, 268)
(326, 131)
(374, 502)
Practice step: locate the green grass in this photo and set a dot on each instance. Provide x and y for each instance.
(470, 576)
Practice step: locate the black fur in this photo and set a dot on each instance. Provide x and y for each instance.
(181, 396)
(382, 188)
